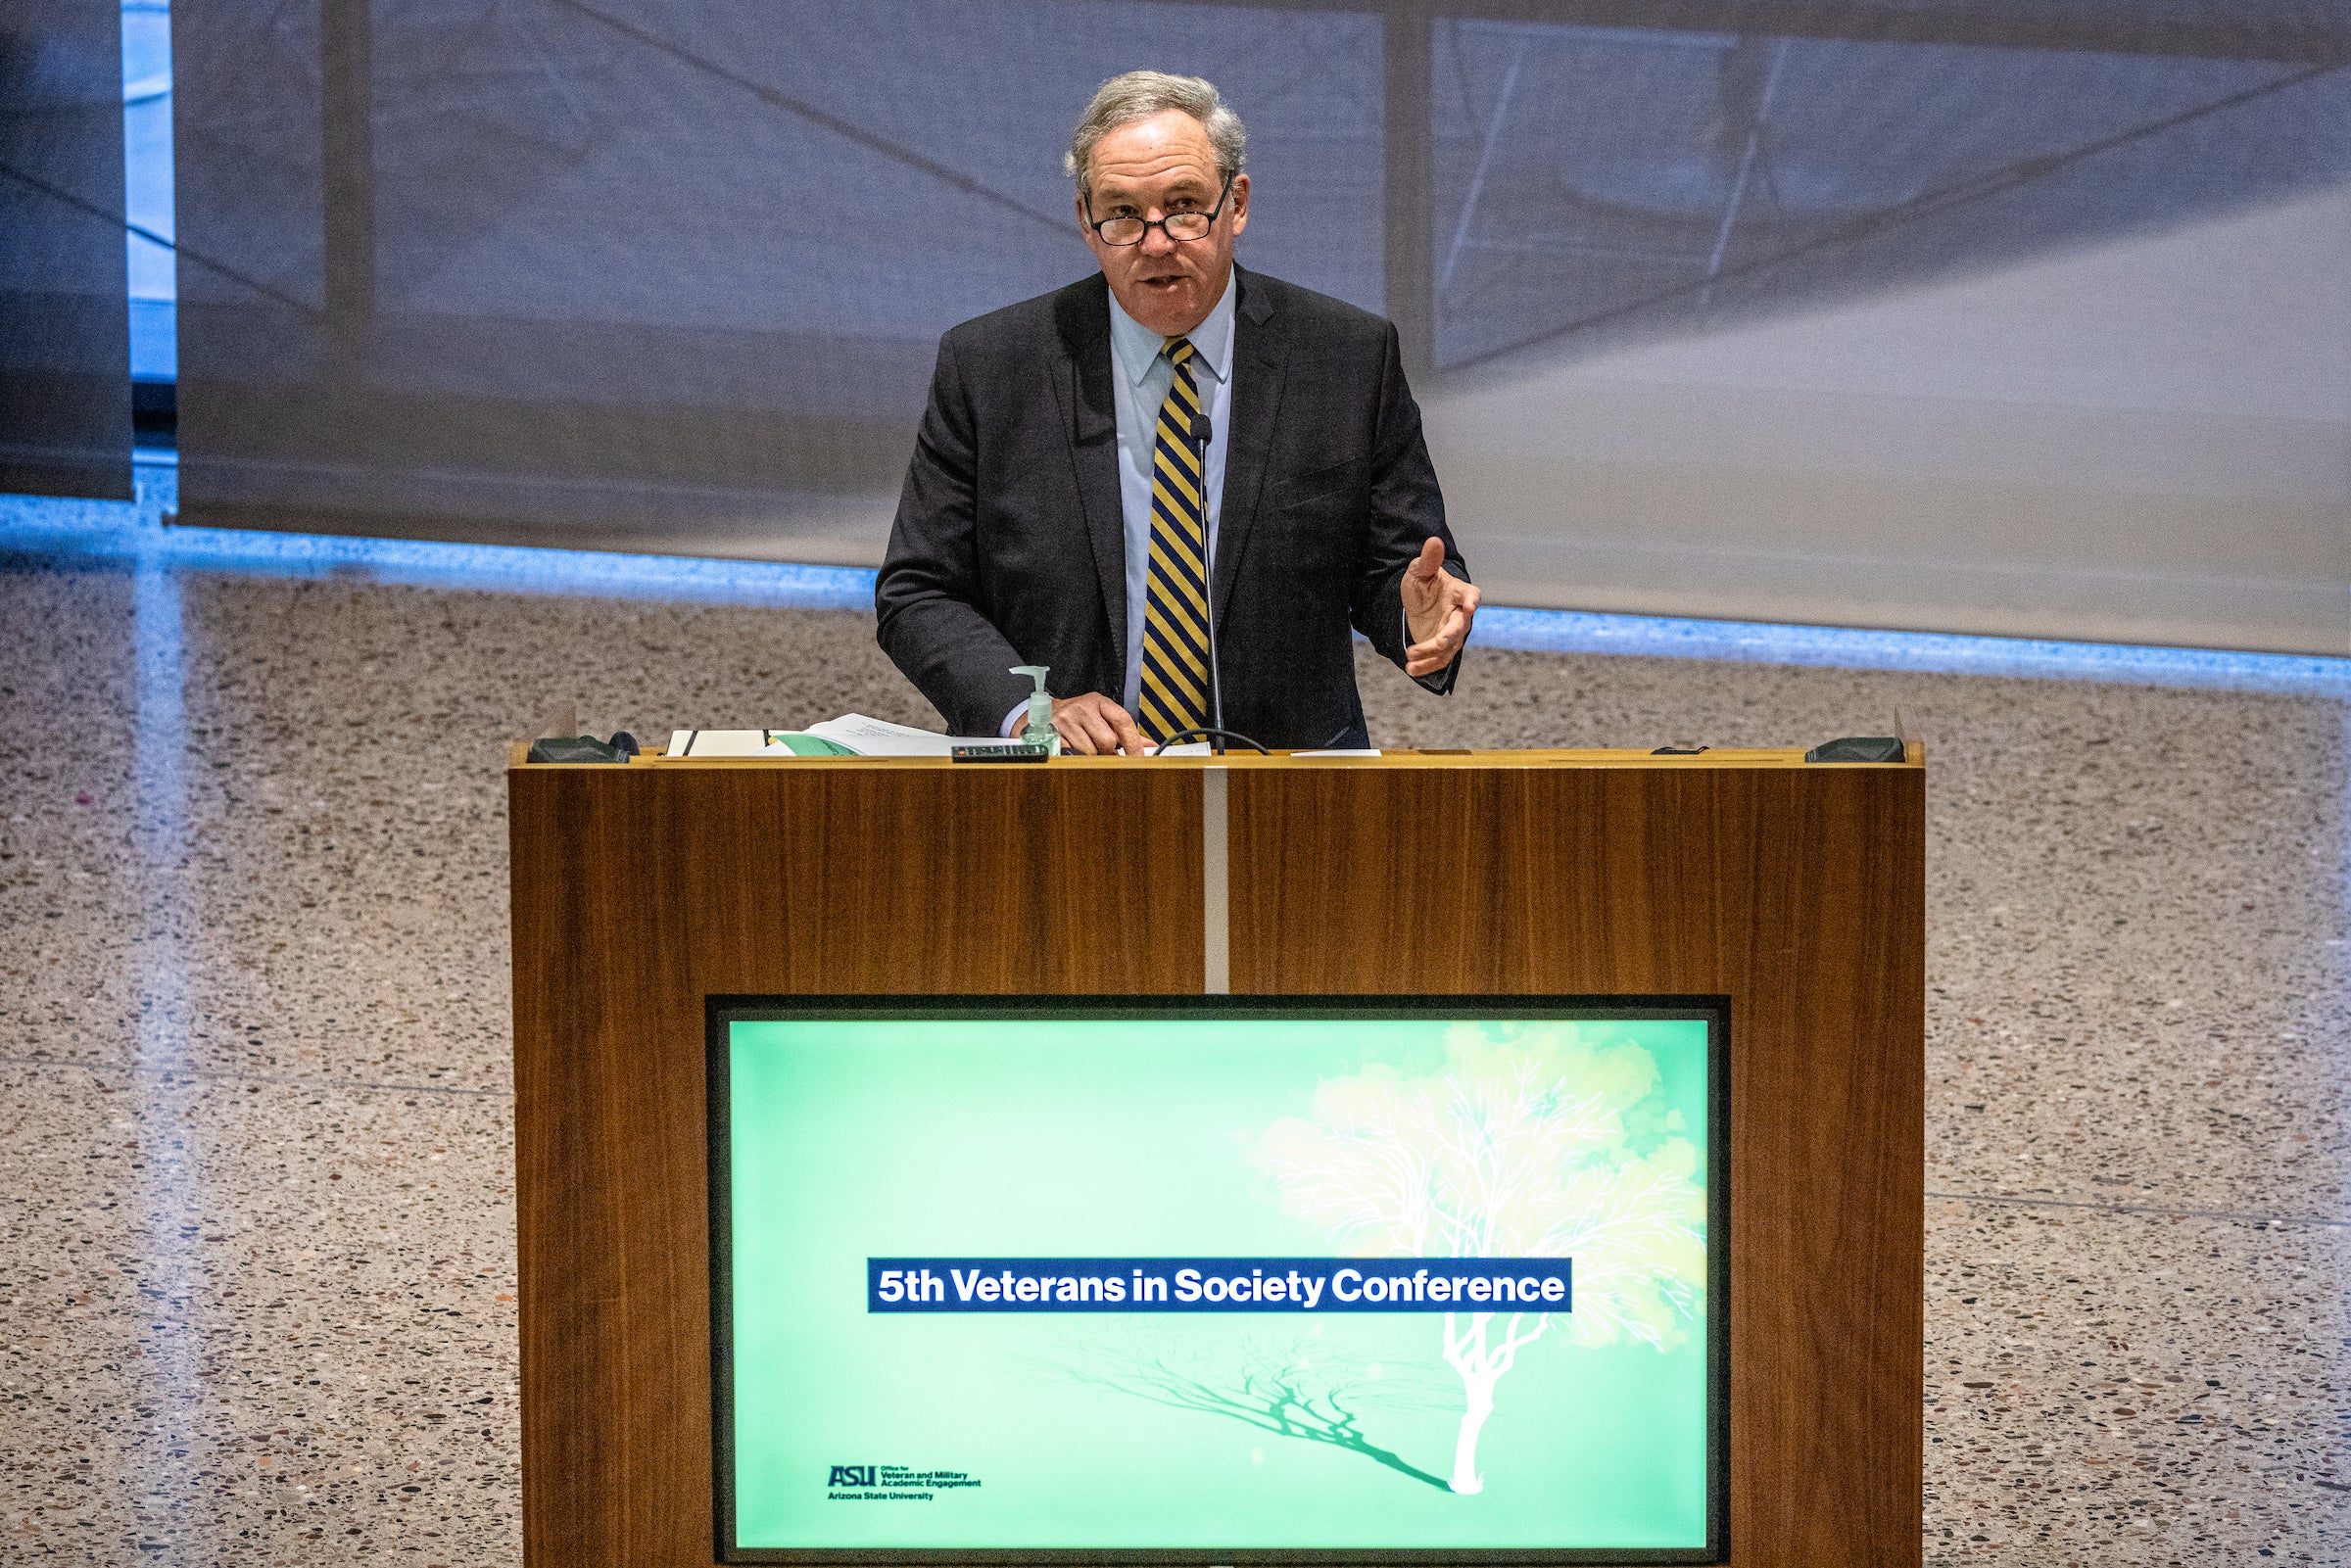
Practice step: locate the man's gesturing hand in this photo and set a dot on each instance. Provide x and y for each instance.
(1438, 608)
(1096, 727)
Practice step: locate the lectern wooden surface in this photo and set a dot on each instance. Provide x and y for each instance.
(1794, 890)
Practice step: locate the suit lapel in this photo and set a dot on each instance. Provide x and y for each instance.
(1081, 382)
(1259, 360)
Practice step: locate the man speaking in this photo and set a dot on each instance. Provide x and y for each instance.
(1104, 468)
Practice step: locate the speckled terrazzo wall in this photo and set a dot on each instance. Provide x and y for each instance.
(256, 1222)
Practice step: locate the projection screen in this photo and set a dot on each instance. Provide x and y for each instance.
(1970, 315)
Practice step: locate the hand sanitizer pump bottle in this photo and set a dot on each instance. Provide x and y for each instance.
(1037, 729)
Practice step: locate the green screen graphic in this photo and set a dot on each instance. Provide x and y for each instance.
(1215, 1136)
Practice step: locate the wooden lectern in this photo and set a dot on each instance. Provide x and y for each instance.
(1794, 890)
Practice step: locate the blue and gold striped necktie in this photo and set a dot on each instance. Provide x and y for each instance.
(1175, 694)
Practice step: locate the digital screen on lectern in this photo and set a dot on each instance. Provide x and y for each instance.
(1216, 1275)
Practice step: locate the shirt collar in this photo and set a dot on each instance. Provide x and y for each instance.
(1139, 348)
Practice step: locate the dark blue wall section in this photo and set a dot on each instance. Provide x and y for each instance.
(65, 311)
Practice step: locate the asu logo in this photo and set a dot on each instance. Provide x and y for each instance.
(851, 1475)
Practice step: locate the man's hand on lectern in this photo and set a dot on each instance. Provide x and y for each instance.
(1438, 608)
(1096, 727)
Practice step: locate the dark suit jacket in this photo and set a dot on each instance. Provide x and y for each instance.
(1009, 546)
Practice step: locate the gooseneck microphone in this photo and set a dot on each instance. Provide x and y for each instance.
(1215, 679)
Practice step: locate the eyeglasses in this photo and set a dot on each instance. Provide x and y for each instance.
(1175, 225)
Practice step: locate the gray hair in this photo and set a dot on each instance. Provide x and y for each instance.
(1140, 94)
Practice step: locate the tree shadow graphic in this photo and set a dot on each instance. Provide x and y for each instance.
(1289, 1392)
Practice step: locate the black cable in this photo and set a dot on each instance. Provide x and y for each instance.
(59, 193)
(1211, 733)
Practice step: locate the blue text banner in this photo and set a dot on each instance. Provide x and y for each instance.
(1219, 1284)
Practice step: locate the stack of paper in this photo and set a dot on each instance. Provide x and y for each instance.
(852, 735)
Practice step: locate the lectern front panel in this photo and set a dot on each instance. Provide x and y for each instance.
(1794, 891)
(1201, 1279)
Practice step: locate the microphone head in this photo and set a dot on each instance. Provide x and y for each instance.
(1200, 429)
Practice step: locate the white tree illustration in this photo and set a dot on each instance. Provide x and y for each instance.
(1517, 1147)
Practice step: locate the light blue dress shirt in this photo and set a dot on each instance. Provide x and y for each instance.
(1141, 375)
